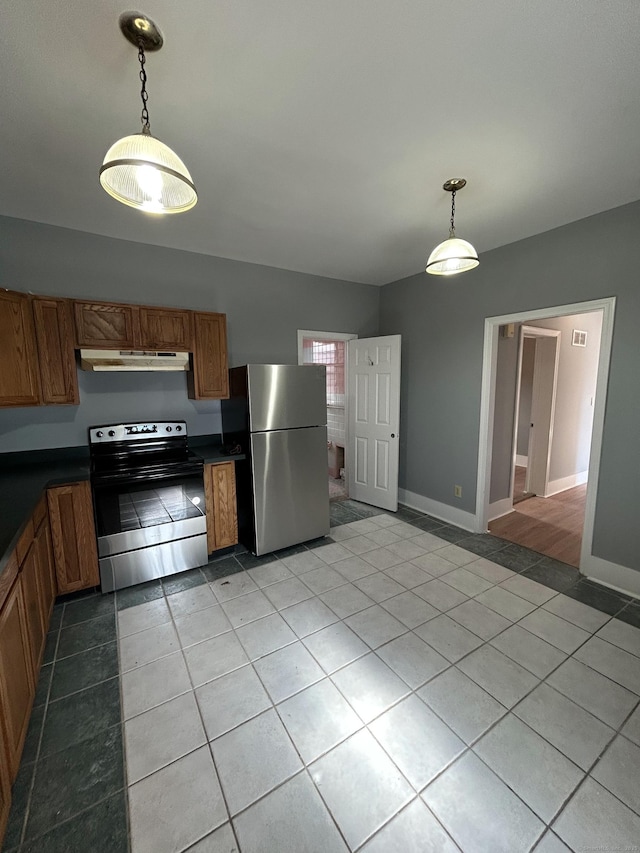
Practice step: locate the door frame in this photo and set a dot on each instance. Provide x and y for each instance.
(487, 404)
(333, 336)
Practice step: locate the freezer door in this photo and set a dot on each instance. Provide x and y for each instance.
(290, 487)
(286, 396)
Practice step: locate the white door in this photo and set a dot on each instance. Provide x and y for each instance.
(374, 420)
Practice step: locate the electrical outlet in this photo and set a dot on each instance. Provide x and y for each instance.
(457, 491)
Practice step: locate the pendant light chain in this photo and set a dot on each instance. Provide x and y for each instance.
(144, 118)
(452, 230)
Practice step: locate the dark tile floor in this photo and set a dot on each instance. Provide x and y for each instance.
(70, 794)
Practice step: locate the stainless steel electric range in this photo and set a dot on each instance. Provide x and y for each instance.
(148, 495)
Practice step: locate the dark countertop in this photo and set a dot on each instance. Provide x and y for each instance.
(212, 452)
(24, 476)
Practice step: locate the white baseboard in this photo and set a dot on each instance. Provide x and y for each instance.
(564, 483)
(500, 508)
(612, 575)
(444, 512)
(522, 461)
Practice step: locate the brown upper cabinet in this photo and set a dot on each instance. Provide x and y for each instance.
(105, 325)
(108, 325)
(209, 378)
(19, 379)
(165, 329)
(56, 356)
(39, 335)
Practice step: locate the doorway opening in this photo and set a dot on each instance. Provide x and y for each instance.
(563, 447)
(554, 385)
(330, 349)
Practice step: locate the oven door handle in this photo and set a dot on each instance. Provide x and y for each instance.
(131, 477)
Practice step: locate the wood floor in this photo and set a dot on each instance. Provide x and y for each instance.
(551, 526)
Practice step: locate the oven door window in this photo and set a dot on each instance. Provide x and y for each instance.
(136, 506)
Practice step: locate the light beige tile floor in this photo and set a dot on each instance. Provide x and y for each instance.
(388, 692)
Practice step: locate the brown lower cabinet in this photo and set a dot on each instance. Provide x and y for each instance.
(220, 499)
(56, 552)
(32, 589)
(17, 685)
(5, 787)
(74, 537)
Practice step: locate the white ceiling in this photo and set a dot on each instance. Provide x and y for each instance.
(319, 133)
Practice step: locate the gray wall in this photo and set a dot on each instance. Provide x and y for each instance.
(442, 324)
(264, 306)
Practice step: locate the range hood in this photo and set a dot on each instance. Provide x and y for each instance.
(132, 360)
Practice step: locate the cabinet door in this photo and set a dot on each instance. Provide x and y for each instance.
(74, 537)
(220, 498)
(5, 786)
(47, 571)
(16, 681)
(209, 379)
(19, 381)
(56, 355)
(165, 329)
(33, 607)
(105, 325)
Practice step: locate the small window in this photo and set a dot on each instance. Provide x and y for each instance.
(579, 338)
(332, 354)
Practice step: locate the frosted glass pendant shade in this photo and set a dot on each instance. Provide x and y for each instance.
(452, 256)
(144, 173)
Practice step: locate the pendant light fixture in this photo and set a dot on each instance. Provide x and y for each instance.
(453, 255)
(139, 170)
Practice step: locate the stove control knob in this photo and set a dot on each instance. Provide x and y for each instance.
(169, 429)
(178, 428)
(112, 432)
(99, 434)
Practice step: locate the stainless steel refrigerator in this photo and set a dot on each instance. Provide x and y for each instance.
(277, 413)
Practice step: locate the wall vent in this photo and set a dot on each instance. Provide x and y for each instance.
(579, 338)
